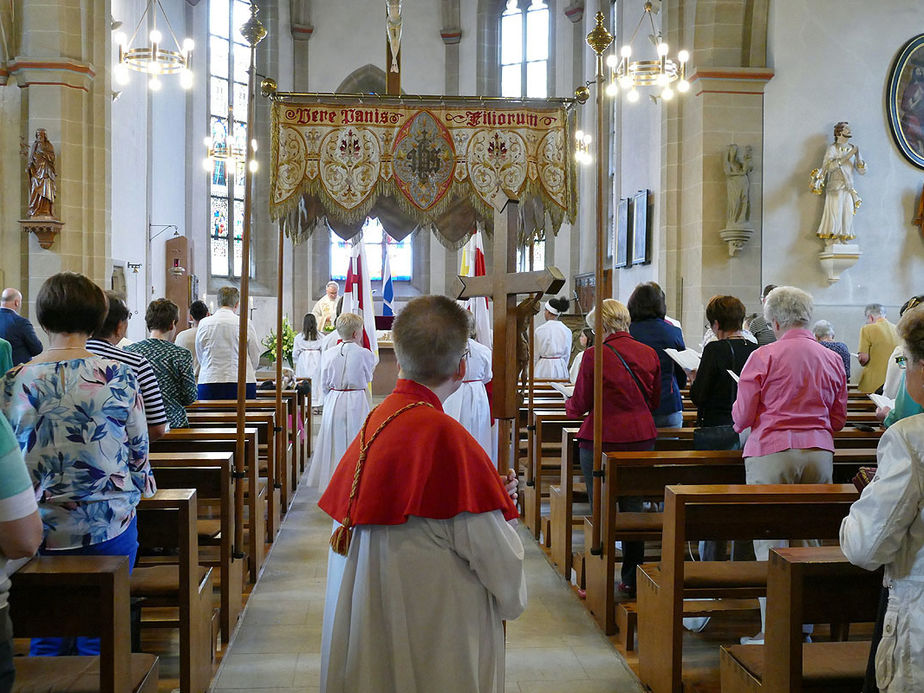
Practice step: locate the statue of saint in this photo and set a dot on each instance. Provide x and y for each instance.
(738, 165)
(41, 170)
(841, 199)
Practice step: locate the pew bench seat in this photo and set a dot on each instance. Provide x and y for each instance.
(79, 674)
(826, 666)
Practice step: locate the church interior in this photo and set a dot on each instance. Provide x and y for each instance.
(691, 143)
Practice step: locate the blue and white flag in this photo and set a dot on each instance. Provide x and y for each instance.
(388, 288)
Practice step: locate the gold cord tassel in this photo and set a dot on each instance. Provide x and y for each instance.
(340, 539)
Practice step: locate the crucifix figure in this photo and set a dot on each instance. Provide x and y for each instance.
(502, 286)
(393, 47)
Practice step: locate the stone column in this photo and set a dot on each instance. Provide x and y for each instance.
(63, 70)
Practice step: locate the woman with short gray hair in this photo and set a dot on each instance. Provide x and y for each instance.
(824, 334)
(792, 394)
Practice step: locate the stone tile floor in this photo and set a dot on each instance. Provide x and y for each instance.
(554, 646)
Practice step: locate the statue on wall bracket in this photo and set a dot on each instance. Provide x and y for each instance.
(835, 178)
(43, 188)
(738, 228)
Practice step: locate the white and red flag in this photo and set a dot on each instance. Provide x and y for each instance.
(357, 295)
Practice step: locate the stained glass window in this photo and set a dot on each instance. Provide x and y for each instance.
(524, 49)
(378, 243)
(229, 60)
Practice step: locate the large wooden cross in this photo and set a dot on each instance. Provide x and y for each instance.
(502, 287)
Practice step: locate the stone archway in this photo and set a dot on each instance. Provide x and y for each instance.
(368, 79)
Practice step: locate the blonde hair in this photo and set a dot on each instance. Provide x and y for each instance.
(347, 325)
(615, 316)
(911, 331)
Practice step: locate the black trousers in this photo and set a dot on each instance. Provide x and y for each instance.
(869, 683)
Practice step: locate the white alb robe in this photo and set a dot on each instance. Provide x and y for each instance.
(418, 607)
(553, 348)
(576, 366)
(307, 356)
(344, 374)
(469, 404)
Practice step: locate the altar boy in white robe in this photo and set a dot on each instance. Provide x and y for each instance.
(343, 376)
(425, 563)
(469, 404)
(553, 342)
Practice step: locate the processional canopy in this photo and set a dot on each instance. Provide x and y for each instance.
(420, 162)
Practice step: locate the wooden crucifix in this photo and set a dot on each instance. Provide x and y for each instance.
(502, 286)
(393, 22)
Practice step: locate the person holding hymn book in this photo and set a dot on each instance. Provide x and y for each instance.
(172, 364)
(585, 340)
(469, 404)
(896, 404)
(885, 527)
(306, 352)
(792, 394)
(647, 308)
(425, 563)
(343, 378)
(713, 390)
(631, 392)
(79, 419)
(552, 342)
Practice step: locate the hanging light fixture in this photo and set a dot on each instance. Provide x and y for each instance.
(230, 148)
(157, 57)
(660, 72)
(582, 148)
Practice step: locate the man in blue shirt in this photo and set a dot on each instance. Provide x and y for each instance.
(17, 330)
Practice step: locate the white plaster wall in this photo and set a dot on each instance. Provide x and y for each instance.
(351, 33)
(832, 60)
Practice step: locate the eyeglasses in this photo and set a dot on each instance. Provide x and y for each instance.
(902, 362)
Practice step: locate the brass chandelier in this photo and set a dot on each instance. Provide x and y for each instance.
(157, 57)
(660, 72)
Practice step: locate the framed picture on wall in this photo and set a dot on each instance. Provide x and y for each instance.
(641, 229)
(905, 101)
(621, 234)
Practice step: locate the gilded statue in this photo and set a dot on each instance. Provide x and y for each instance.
(393, 30)
(41, 170)
(842, 201)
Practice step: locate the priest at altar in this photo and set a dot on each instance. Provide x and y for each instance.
(425, 562)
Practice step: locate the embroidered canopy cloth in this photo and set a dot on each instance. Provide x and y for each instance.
(424, 164)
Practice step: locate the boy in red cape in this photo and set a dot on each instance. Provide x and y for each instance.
(425, 562)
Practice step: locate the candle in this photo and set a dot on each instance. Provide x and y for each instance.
(250, 302)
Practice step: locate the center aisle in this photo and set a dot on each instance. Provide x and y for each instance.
(553, 646)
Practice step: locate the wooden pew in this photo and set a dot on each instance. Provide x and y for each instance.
(545, 431)
(224, 440)
(210, 473)
(67, 596)
(734, 512)
(168, 521)
(264, 422)
(561, 505)
(806, 585)
(295, 422)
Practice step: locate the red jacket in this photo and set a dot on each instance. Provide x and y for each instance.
(626, 410)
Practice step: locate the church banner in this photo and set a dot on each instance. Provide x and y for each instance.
(425, 157)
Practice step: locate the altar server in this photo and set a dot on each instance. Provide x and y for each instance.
(344, 376)
(469, 404)
(306, 352)
(553, 342)
(425, 564)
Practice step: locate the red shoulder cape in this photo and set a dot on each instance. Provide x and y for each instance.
(423, 463)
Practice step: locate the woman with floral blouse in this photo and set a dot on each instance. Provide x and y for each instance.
(79, 420)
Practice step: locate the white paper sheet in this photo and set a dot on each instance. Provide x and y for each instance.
(688, 359)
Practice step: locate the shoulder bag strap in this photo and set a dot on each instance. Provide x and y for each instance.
(634, 377)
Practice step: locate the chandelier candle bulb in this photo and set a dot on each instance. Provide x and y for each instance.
(626, 51)
(683, 86)
(155, 36)
(683, 56)
(662, 49)
(154, 83)
(253, 165)
(632, 96)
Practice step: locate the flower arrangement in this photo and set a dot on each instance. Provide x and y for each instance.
(288, 341)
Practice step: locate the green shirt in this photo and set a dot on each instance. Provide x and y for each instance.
(17, 499)
(6, 356)
(174, 370)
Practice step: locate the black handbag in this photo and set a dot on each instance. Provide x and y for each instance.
(716, 438)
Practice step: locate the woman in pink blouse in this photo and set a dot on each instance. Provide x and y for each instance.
(793, 396)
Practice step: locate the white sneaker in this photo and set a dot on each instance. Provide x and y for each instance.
(753, 640)
(696, 624)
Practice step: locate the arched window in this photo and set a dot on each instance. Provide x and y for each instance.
(378, 243)
(524, 49)
(229, 60)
